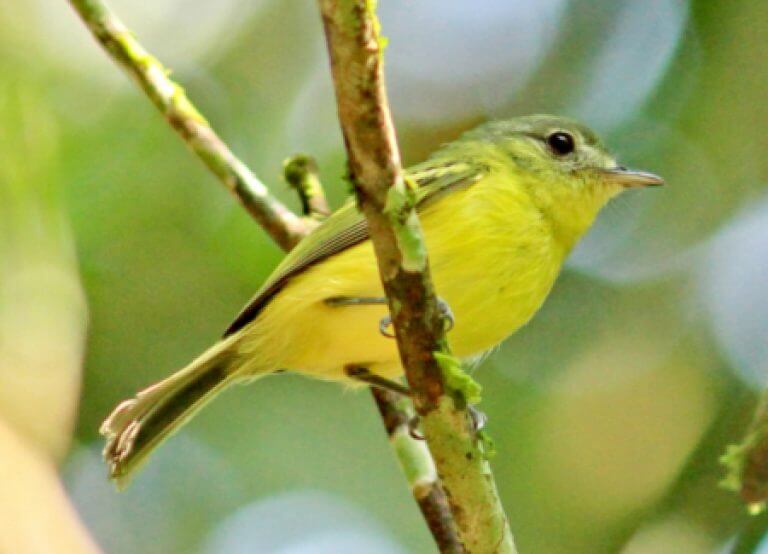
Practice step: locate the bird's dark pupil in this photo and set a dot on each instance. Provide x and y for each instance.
(561, 143)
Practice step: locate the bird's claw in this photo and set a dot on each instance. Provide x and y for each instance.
(479, 419)
(384, 324)
(445, 312)
(413, 428)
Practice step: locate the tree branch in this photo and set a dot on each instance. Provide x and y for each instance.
(284, 226)
(396, 411)
(747, 462)
(419, 469)
(301, 173)
(440, 389)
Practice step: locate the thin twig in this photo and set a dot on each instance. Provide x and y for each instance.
(387, 201)
(747, 462)
(284, 226)
(300, 171)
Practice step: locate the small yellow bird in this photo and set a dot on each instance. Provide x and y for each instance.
(501, 208)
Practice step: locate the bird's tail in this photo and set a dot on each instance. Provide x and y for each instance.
(137, 426)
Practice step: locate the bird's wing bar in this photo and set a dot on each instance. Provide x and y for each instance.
(347, 227)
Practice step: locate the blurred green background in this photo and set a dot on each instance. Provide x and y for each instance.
(609, 410)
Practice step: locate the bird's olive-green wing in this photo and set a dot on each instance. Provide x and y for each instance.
(347, 227)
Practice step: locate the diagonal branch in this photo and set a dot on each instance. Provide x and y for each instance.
(283, 225)
(440, 389)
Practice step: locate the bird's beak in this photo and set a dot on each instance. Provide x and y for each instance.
(629, 178)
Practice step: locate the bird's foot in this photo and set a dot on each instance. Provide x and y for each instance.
(479, 419)
(364, 375)
(413, 428)
(445, 312)
(384, 324)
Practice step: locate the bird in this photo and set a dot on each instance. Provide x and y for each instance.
(500, 207)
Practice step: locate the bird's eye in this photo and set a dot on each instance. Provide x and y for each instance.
(561, 143)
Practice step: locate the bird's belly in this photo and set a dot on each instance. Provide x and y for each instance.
(494, 262)
(299, 331)
(493, 280)
(491, 299)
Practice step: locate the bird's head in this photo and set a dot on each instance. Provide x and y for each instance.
(563, 166)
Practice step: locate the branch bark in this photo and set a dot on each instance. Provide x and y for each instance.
(419, 469)
(747, 462)
(396, 411)
(283, 225)
(439, 387)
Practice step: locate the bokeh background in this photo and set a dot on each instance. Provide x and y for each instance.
(121, 258)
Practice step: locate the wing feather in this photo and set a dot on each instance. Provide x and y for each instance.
(347, 227)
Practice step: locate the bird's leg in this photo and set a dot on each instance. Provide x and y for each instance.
(364, 375)
(446, 313)
(386, 321)
(384, 324)
(479, 419)
(355, 300)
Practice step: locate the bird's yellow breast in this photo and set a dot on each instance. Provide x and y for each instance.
(493, 258)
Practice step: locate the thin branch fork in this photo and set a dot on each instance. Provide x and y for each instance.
(388, 203)
(283, 225)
